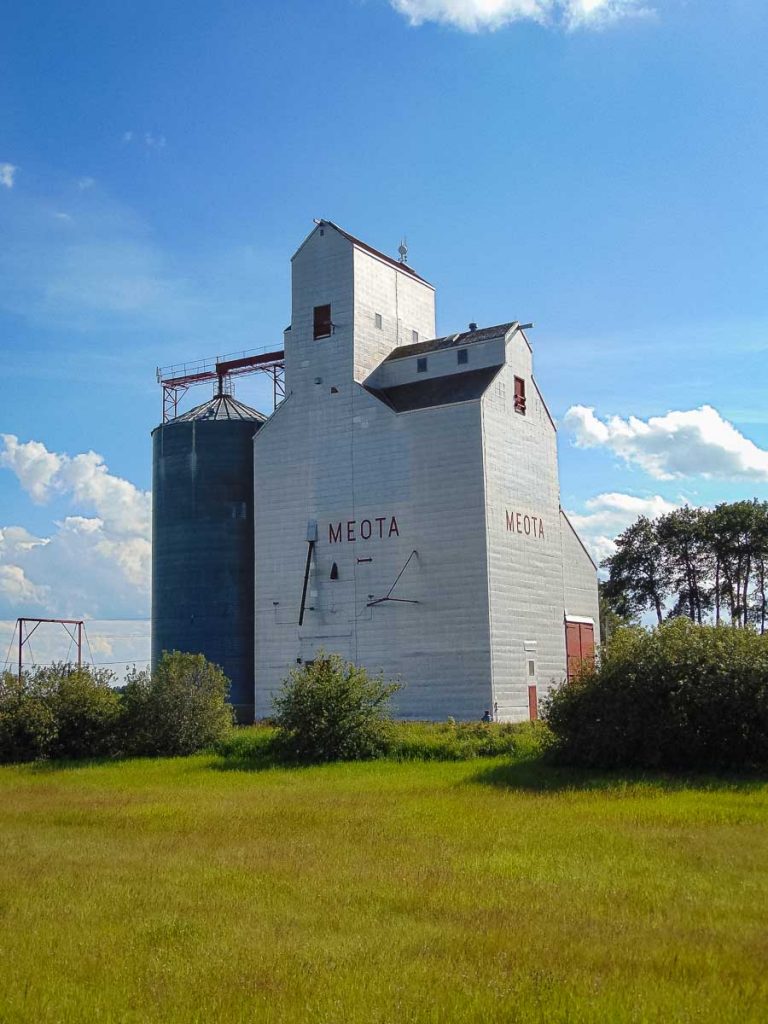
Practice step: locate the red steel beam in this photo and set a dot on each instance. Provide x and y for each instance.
(192, 378)
(248, 361)
(68, 622)
(223, 368)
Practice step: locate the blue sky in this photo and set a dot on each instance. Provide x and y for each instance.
(596, 166)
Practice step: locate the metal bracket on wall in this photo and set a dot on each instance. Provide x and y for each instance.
(388, 595)
(310, 549)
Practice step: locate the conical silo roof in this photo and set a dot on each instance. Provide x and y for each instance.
(221, 407)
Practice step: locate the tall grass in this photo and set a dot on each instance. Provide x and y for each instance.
(257, 745)
(485, 890)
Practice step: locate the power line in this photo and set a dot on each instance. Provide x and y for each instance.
(10, 645)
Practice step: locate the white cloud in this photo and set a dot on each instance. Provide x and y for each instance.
(91, 564)
(489, 15)
(16, 589)
(85, 183)
(32, 463)
(7, 175)
(696, 442)
(148, 139)
(65, 217)
(122, 507)
(607, 515)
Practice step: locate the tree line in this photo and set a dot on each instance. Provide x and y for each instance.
(709, 565)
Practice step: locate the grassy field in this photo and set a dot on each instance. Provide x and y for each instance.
(193, 890)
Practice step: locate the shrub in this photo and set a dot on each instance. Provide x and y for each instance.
(85, 710)
(332, 710)
(27, 724)
(58, 711)
(179, 709)
(679, 696)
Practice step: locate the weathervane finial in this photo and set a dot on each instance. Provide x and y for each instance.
(403, 250)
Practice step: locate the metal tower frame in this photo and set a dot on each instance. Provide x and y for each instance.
(76, 639)
(177, 380)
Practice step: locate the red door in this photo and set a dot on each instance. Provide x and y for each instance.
(579, 645)
(533, 702)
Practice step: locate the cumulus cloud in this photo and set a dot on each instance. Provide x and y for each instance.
(607, 515)
(124, 509)
(7, 175)
(96, 562)
(16, 589)
(32, 463)
(488, 15)
(696, 442)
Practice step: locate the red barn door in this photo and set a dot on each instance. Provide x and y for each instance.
(579, 645)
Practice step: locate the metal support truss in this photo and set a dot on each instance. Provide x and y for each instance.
(388, 595)
(75, 634)
(176, 380)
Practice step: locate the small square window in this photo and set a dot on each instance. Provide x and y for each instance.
(415, 337)
(421, 364)
(323, 327)
(377, 320)
(462, 356)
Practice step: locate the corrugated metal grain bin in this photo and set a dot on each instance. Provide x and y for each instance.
(202, 540)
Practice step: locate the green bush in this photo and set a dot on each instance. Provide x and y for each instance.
(179, 709)
(27, 724)
(678, 696)
(58, 712)
(85, 709)
(332, 710)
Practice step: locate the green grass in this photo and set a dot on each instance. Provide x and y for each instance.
(191, 890)
(255, 746)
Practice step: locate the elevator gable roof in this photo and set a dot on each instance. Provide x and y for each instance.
(427, 394)
(366, 248)
(452, 341)
(221, 407)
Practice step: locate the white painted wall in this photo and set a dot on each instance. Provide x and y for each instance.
(580, 595)
(524, 568)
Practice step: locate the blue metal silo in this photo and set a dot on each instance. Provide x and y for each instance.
(202, 540)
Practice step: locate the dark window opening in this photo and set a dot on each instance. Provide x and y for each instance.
(323, 325)
(421, 364)
(377, 320)
(415, 337)
(520, 395)
(462, 356)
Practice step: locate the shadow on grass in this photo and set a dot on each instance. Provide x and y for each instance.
(543, 776)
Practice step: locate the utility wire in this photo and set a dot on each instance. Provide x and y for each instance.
(10, 646)
(90, 652)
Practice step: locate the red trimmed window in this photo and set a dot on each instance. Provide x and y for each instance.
(520, 395)
(323, 325)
